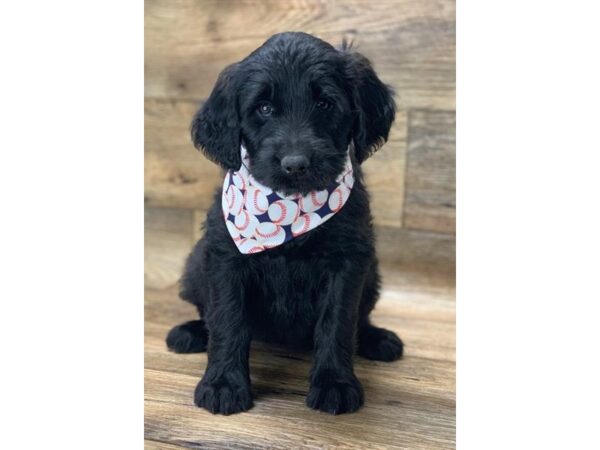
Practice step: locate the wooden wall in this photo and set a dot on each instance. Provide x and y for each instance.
(411, 179)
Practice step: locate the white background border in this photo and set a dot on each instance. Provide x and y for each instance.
(71, 249)
(528, 225)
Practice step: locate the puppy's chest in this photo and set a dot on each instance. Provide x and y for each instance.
(286, 290)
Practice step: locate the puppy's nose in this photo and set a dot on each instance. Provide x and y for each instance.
(294, 165)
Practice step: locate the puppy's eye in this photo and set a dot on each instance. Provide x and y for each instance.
(324, 105)
(265, 109)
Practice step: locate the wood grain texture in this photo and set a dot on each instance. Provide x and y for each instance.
(175, 173)
(430, 202)
(419, 250)
(384, 176)
(409, 404)
(167, 242)
(411, 42)
(149, 444)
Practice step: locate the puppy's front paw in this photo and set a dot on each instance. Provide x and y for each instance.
(227, 394)
(334, 393)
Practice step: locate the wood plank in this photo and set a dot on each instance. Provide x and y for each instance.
(178, 176)
(167, 242)
(280, 419)
(409, 403)
(425, 254)
(431, 171)
(175, 173)
(157, 445)
(384, 176)
(412, 43)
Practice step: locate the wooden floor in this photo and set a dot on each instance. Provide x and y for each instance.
(409, 403)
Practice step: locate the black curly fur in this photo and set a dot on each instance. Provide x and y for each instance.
(318, 289)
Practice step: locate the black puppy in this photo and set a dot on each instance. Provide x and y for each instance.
(297, 104)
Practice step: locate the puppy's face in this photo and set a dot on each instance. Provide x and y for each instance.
(296, 118)
(296, 103)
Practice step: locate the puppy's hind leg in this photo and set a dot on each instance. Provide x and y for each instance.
(192, 336)
(189, 337)
(375, 343)
(379, 344)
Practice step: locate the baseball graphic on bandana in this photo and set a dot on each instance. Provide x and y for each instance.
(313, 201)
(246, 224)
(248, 246)
(269, 234)
(239, 180)
(233, 231)
(235, 200)
(224, 205)
(338, 197)
(283, 212)
(256, 201)
(349, 179)
(305, 223)
(254, 182)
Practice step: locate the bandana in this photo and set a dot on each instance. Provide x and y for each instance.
(258, 218)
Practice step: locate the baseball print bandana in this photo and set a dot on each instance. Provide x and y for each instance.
(258, 218)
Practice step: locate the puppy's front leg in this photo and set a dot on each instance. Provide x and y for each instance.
(225, 386)
(333, 386)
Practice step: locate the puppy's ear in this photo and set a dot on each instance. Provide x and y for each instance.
(374, 106)
(216, 126)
